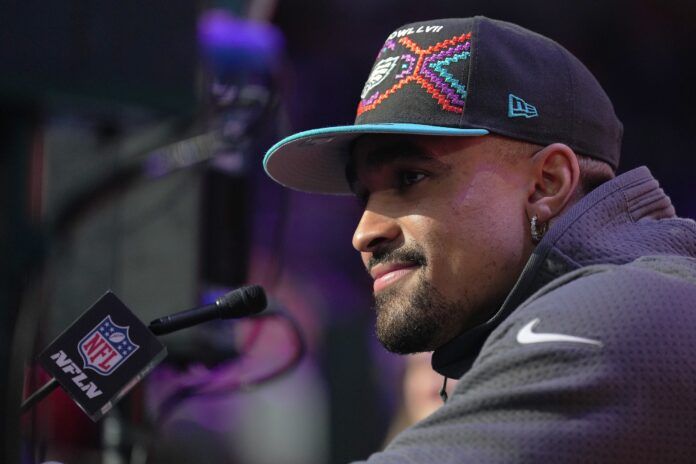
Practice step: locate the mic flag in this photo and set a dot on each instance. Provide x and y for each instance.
(102, 355)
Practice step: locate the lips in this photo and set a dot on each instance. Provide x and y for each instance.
(387, 274)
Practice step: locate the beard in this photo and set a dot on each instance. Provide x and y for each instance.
(418, 318)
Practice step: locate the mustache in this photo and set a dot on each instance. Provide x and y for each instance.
(408, 254)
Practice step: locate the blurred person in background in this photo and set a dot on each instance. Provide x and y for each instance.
(420, 394)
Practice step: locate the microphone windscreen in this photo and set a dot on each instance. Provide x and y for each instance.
(244, 301)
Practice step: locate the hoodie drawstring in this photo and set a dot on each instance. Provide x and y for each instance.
(443, 390)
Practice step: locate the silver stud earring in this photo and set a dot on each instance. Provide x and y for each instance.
(537, 231)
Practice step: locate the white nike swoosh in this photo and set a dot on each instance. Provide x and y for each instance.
(525, 336)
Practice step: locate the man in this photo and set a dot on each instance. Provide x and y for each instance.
(561, 296)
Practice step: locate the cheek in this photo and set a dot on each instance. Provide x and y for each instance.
(482, 233)
(489, 208)
(486, 188)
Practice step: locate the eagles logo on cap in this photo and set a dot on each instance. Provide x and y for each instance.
(381, 70)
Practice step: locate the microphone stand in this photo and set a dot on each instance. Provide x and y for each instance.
(38, 395)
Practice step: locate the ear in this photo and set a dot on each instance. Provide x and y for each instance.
(555, 177)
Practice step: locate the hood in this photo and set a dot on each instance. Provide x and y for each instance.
(618, 222)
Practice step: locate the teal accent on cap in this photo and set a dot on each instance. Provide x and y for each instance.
(315, 160)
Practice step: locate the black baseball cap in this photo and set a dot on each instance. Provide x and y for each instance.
(460, 77)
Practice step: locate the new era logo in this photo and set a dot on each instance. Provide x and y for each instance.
(520, 108)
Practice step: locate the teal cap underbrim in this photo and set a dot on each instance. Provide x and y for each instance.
(315, 160)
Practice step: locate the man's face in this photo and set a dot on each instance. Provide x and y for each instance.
(442, 234)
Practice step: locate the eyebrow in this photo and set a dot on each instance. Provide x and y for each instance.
(385, 154)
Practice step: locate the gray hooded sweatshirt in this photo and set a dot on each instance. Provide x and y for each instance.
(592, 357)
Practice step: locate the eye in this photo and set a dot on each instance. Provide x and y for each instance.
(408, 178)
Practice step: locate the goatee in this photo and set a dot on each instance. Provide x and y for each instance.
(414, 319)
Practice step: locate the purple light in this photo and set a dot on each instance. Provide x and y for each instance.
(211, 294)
(234, 45)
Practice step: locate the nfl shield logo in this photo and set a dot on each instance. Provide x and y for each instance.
(106, 347)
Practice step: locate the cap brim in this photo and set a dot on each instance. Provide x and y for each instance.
(315, 160)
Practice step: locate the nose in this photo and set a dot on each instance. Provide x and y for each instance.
(375, 230)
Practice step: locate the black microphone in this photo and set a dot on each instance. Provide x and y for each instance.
(243, 302)
(107, 350)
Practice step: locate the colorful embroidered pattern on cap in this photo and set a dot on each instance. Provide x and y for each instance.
(435, 69)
